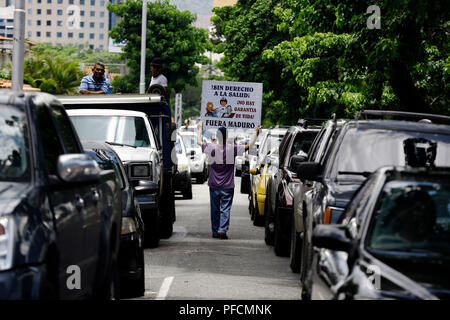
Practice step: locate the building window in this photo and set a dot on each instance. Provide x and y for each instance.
(81, 2)
(60, 12)
(92, 14)
(38, 34)
(70, 35)
(102, 14)
(82, 13)
(101, 35)
(101, 47)
(49, 22)
(30, 1)
(81, 24)
(81, 35)
(60, 1)
(29, 22)
(71, 2)
(48, 34)
(29, 34)
(102, 3)
(91, 46)
(59, 23)
(39, 1)
(91, 36)
(59, 34)
(102, 25)
(39, 11)
(92, 2)
(38, 22)
(30, 11)
(49, 1)
(91, 24)
(49, 11)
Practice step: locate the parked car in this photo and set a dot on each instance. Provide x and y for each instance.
(393, 241)
(60, 215)
(131, 252)
(249, 162)
(131, 135)
(349, 161)
(196, 157)
(259, 176)
(159, 114)
(182, 178)
(293, 150)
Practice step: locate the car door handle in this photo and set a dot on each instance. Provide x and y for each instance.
(79, 203)
(95, 196)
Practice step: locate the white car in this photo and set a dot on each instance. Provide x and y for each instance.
(197, 159)
(182, 178)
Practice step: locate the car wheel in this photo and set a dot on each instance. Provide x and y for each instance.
(296, 248)
(268, 223)
(151, 231)
(259, 219)
(187, 194)
(167, 216)
(135, 287)
(280, 244)
(238, 173)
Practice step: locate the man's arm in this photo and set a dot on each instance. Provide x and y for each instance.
(199, 133)
(247, 146)
(92, 92)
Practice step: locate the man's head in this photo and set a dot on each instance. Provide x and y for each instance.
(98, 70)
(156, 67)
(222, 135)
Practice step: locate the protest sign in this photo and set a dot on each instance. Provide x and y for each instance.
(229, 104)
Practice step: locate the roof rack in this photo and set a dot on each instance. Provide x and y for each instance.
(401, 115)
(305, 122)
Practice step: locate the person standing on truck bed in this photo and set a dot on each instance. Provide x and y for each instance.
(97, 82)
(221, 177)
(158, 78)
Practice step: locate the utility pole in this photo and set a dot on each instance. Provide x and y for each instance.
(178, 109)
(18, 46)
(143, 46)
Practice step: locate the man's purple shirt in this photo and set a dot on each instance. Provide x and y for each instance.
(221, 158)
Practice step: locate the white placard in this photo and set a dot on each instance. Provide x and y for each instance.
(229, 104)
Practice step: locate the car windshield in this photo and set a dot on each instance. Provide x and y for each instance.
(190, 141)
(354, 159)
(412, 216)
(14, 160)
(126, 130)
(272, 142)
(179, 146)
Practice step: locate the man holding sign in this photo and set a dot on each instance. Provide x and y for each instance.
(221, 177)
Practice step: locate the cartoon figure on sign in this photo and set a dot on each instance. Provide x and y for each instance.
(210, 111)
(226, 111)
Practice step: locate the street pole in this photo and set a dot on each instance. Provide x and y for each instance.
(143, 46)
(18, 46)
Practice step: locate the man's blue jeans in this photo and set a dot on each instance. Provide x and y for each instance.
(221, 200)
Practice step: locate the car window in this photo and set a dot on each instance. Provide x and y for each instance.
(412, 216)
(301, 145)
(49, 139)
(387, 147)
(65, 127)
(14, 144)
(317, 143)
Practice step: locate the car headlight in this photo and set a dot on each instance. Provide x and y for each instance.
(6, 242)
(141, 171)
(128, 225)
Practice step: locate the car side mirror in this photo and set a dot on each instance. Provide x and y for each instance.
(254, 171)
(333, 237)
(192, 154)
(146, 187)
(77, 167)
(309, 171)
(295, 161)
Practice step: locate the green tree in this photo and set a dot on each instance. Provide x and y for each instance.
(343, 66)
(243, 32)
(170, 35)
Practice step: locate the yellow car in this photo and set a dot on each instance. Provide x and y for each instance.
(262, 173)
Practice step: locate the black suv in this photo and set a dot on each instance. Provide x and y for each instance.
(394, 240)
(60, 216)
(359, 148)
(292, 151)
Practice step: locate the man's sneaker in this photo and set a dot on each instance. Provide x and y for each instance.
(223, 235)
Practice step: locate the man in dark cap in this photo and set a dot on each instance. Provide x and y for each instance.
(157, 77)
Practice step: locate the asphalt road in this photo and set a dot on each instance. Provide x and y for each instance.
(193, 265)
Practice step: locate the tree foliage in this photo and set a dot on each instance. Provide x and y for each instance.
(336, 62)
(170, 35)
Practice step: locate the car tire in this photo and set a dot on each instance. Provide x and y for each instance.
(258, 219)
(268, 234)
(167, 216)
(296, 249)
(238, 173)
(133, 288)
(280, 245)
(187, 193)
(151, 230)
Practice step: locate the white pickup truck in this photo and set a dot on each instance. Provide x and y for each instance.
(131, 135)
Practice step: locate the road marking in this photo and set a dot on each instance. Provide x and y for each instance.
(164, 290)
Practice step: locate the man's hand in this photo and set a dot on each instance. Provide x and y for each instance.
(258, 129)
(199, 133)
